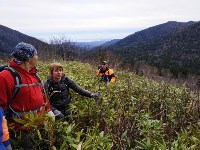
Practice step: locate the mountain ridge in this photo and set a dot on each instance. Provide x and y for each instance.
(154, 32)
(9, 38)
(172, 45)
(178, 51)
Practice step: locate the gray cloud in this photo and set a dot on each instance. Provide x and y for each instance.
(45, 18)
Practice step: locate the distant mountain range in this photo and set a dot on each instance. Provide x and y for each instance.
(111, 42)
(172, 45)
(91, 44)
(94, 44)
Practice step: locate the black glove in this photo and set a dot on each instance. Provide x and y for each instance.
(58, 115)
(95, 95)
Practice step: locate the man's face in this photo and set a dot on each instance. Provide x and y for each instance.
(104, 66)
(33, 61)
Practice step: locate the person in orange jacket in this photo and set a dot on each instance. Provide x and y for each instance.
(4, 134)
(106, 73)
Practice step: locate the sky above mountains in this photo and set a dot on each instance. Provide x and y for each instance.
(92, 20)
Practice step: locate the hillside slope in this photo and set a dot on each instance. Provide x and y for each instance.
(9, 38)
(179, 50)
(134, 113)
(152, 33)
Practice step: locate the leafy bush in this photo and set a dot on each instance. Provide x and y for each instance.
(133, 113)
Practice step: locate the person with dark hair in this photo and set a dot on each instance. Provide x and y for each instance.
(57, 89)
(107, 75)
(23, 95)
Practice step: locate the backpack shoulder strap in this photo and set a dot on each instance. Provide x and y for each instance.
(17, 79)
(2, 68)
(39, 79)
(47, 84)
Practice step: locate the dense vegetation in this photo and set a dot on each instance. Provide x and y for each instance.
(134, 113)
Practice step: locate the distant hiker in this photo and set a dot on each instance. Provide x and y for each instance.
(106, 73)
(57, 89)
(4, 134)
(30, 97)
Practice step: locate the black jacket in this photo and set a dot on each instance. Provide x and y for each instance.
(58, 92)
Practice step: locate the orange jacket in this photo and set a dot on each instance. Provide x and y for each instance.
(4, 134)
(107, 75)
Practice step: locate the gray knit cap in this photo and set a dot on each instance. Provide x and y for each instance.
(23, 51)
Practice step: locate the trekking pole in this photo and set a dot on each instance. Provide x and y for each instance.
(96, 105)
(99, 84)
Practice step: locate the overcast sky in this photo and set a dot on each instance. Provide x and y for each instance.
(90, 20)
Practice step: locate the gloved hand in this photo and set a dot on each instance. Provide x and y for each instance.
(95, 95)
(51, 114)
(58, 115)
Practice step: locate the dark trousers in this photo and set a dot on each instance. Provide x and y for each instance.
(64, 114)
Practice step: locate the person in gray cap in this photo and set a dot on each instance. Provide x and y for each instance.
(107, 74)
(23, 52)
(30, 97)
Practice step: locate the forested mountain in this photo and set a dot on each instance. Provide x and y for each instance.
(178, 51)
(173, 45)
(9, 38)
(152, 33)
(57, 49)
(111, 42)
(90, 45)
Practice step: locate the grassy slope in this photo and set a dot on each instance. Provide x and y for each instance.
(135, 106)
(133, 113)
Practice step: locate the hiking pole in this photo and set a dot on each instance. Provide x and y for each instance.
(101, 81)
(98, 82)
